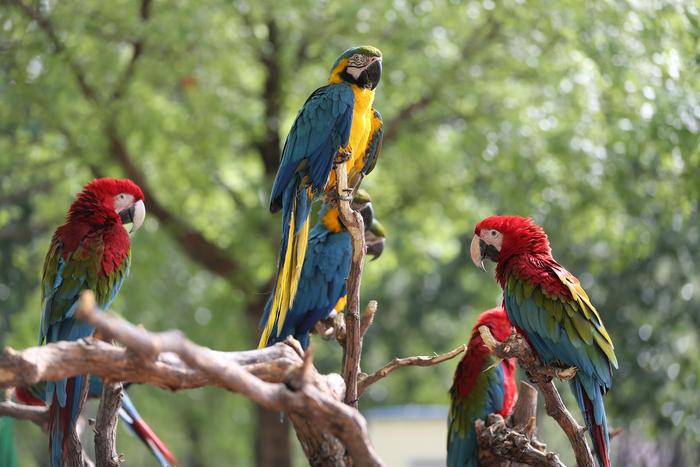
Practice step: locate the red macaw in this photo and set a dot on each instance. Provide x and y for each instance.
(337, 118)
(482, 386)
(128, 414)
(547, 304)
(90, 251)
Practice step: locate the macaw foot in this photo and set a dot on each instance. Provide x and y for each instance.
(334, 197)
(342, 156)
(566, 374)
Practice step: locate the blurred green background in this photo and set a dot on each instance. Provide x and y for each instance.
(583, 115)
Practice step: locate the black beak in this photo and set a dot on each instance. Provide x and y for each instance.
(134, 215)
(127, 215)
(375, 245)
(488, 251)
(373, 74)
(367, 213)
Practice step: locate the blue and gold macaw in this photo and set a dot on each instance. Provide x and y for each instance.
(326, 267)
(337, 124)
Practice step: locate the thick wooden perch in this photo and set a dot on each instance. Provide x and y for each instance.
(517, 347)
(513, 443)
(277, 378)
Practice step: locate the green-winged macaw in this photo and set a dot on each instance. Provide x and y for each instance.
(482, 385)
(337, 124)
(326, 268)
(547, 304)
(91, 250)
(128, 414)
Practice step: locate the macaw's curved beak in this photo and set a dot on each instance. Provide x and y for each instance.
(480, 250)
(134, 215)
(367, 213)
(375, 238)
(373, 74)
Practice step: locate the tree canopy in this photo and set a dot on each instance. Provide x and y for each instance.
(583, 115)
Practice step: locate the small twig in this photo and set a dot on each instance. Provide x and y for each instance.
(515, 346)
(36, 414)
(368, 317)
(368, 380)
(106, 425)
(353, 342)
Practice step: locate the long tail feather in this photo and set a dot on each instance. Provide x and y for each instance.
(295, 236)
(131, 418)
(62, 420)
(594, 416)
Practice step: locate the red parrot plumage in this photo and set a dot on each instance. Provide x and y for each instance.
(547, 304)
(482, 386)
(91, 250)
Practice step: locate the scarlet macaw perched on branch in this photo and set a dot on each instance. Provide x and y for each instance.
(326, 268)
(549, 307)
(90, 251)
(337, 124)
(482, 386)
(128, 414)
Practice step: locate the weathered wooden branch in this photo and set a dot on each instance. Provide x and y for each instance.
(353, 340)
(38, 415)
(515, 346)
(512, 443)
(106, 425)
(366, 380)
(505, 443)
(299, 390)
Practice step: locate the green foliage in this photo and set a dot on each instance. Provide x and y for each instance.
(583, 115)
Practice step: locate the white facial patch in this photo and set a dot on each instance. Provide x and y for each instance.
(123, 201)
(357, 64)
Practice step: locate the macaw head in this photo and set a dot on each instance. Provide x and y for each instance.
(499, 238)
(497, 321)
(472, 363)
(361, 66)
(375, 237)
(104, 199)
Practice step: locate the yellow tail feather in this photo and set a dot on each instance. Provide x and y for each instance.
(287, 279)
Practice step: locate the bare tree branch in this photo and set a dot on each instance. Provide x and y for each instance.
(517, 347)
(368, 380)
(38, 415)
(106, 425)
(353, 342)
(303, 394)
(368, 317)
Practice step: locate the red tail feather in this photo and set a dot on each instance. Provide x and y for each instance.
(599, 444)
(146, 433)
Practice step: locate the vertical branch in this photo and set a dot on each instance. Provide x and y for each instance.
(353, 342)
(106, 425)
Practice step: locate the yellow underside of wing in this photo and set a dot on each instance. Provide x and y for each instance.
(287, 279)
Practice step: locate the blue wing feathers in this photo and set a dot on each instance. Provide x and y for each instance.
(321, 127)
(321, 285)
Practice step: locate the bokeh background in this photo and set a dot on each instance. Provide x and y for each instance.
(583, 115)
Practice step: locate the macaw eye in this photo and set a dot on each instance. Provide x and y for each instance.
(494, 233)
(357, 60)
(121, 196)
